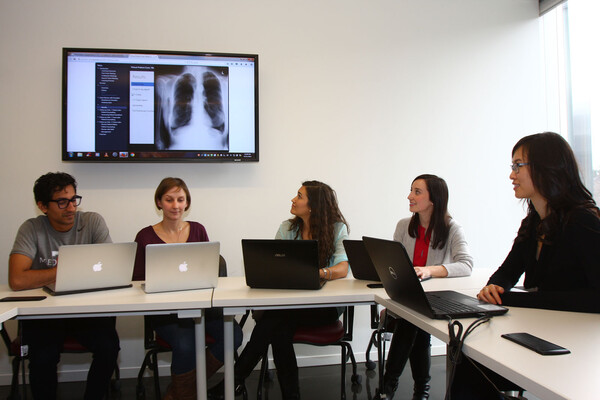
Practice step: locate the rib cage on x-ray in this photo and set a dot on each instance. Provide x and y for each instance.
(192, 110)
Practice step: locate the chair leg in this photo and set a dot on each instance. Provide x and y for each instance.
(154, 365)
(140, 390)
(14, 385)
(370, 364)
(115, 385)
(24, 382)
(344, 358)
(264, 367)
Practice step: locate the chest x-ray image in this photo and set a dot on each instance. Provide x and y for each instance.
(192, 110)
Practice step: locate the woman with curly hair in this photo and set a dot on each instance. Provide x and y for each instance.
(316, 217)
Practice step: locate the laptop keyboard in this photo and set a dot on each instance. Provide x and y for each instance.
(442, 305)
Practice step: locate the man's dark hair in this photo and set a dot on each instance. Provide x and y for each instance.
(50, 183)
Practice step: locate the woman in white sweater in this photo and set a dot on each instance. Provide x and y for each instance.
(437, 246)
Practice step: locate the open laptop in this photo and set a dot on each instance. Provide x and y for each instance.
(181, 266)
(402, 285)
(360, 262)
(93, 267)
(281, 264)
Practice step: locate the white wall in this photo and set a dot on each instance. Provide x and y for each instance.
(362, 95)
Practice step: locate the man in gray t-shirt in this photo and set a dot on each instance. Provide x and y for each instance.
(33, 262)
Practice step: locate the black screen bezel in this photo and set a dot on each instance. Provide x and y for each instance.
(166, 156)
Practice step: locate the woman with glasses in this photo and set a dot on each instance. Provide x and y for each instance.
(317, 217)
(438, 248)
(173, 197)
(557, 247)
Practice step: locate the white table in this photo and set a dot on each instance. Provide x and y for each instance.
(235, 297)
(571, 376)
(118, 302)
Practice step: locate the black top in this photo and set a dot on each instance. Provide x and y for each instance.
(567, 273)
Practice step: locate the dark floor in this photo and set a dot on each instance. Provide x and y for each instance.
(316, 383)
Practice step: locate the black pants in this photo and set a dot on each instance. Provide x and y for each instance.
(45, 339)
(277, 328)
(409, 342)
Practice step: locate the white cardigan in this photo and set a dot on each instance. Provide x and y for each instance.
(454, 256)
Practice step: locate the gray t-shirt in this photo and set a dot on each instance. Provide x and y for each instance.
(38, 240)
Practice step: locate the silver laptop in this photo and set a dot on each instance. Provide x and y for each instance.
(92, 267)
(181, 266)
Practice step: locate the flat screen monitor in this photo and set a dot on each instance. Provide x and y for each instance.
(146, 106)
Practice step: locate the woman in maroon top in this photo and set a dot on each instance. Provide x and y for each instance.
(173, 198)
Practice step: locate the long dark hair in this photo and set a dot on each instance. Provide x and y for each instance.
(324, 214)
(555, 176)
(439, 225)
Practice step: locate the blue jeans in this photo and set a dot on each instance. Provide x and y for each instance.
(180, 334)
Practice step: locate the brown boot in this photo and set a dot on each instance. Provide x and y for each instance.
(184, 385)
(170, 395)
(212, 364)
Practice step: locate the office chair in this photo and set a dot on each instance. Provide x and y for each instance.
(70, 345)
(338, 333)
(154, 344)
(381, 325)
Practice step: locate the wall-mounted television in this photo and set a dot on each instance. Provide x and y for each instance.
(146, 106)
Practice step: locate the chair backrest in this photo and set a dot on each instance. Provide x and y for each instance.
(222, 266)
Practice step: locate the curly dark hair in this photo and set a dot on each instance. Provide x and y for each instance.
(439, 226)
(325, 213)
(46, 185)
(555, 176)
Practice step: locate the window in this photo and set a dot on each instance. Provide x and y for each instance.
(571, 56)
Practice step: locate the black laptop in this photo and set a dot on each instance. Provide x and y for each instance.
(360, 262)
(281, 264)
(402, 285)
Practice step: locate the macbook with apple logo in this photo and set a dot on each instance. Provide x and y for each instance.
(181, 266)
(93, 267)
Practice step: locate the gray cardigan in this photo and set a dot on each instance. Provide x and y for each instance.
(454, 256)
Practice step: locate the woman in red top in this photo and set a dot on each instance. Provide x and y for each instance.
(439, 249)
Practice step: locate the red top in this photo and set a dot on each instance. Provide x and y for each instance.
(421, 248)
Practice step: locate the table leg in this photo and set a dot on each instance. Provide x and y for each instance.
(200, 357)
(380, 361)
(229, 361)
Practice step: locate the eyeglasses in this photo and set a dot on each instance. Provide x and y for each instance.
(515, 167)
(64, 203)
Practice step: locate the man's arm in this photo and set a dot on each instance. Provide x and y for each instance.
(21, 276)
